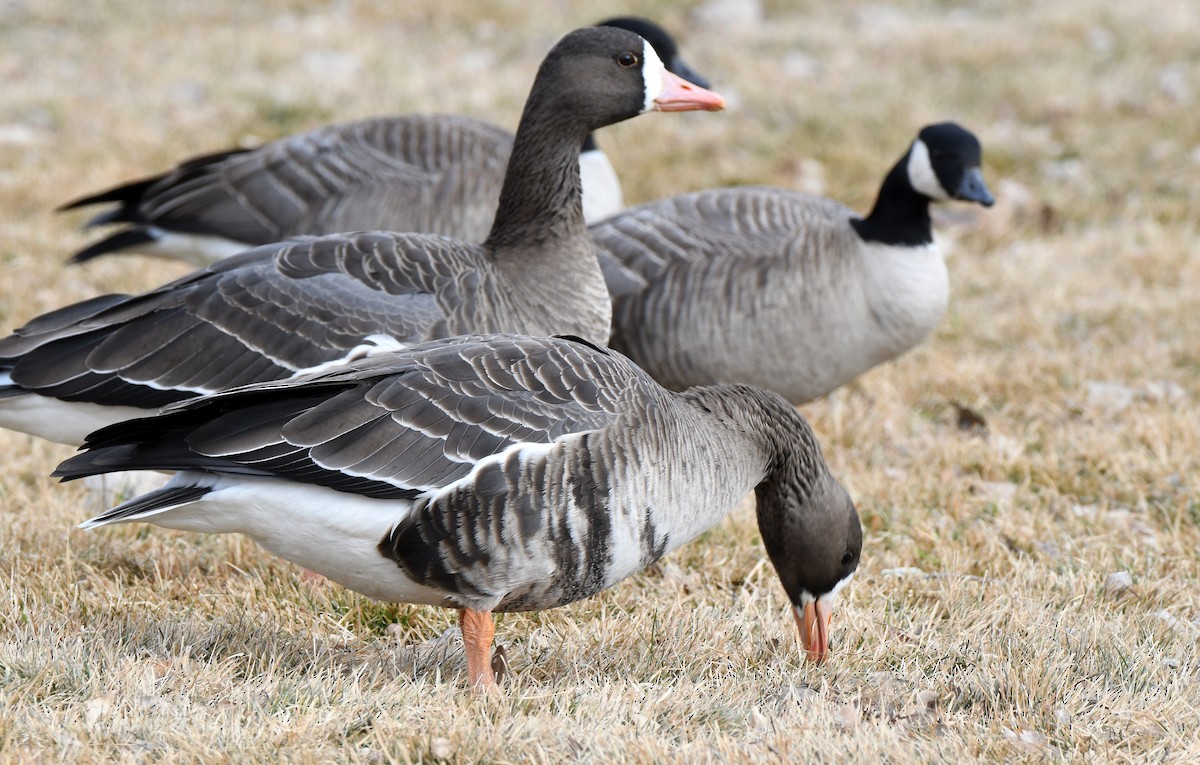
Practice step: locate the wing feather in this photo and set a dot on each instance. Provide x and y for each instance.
(409, 173)
(638, 245)
(397, 424)
(264, 315)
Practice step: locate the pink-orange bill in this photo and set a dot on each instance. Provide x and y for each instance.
(813, 622)
(679, 95)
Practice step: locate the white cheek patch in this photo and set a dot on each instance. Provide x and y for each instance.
(652, 75)
(920, 172)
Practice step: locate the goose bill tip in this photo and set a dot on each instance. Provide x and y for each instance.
(813, 620)
(973, 188)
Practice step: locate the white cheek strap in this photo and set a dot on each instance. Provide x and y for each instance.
(920, 172)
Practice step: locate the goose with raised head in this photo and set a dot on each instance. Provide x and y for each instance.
(439, 174)
(486, 474)
(281, 308)
(789, 291)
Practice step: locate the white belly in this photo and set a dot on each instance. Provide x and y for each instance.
(330, 532)
(65, 422)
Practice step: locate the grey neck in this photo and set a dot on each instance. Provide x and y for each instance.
(806, 519)
(541, 201)
(768, 419)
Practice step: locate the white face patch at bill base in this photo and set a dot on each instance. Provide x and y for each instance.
(920, 172)
(829, 598)
(652, 75)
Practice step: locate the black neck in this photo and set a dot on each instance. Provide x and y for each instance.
(541, 198)
(901, 214)
(589, 143)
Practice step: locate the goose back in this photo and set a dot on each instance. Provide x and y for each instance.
(434, 173)
(764, 286)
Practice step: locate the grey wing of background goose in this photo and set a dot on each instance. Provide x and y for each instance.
(644, 244)
(259, 316)
(416, 173)
(392, 426)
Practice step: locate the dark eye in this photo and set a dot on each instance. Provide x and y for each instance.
(627, 59)
(847, 558)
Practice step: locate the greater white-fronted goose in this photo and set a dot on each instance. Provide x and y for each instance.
(280, 308)
(789, 291)
(438, 174)
(495, 473)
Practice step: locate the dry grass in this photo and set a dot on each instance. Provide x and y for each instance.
(980, 626)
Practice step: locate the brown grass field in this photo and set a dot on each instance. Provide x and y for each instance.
(985, 623)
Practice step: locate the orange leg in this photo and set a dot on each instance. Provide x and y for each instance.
(477, 632)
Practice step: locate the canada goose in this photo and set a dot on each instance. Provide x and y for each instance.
(497, 473)
(281, 308)
(440, 174)
(788, 291)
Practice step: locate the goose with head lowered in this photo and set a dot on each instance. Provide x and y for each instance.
(281, 308)
(437, 174)
(491, 474)
(793, 292)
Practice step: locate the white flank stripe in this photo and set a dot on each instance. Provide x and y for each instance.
(371, 345)
(652, 75)
(920, 172)
(525, 450)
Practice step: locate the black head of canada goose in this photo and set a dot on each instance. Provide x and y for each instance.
(789, 291)
(496, 473)
(281, 308)
(438, 174)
